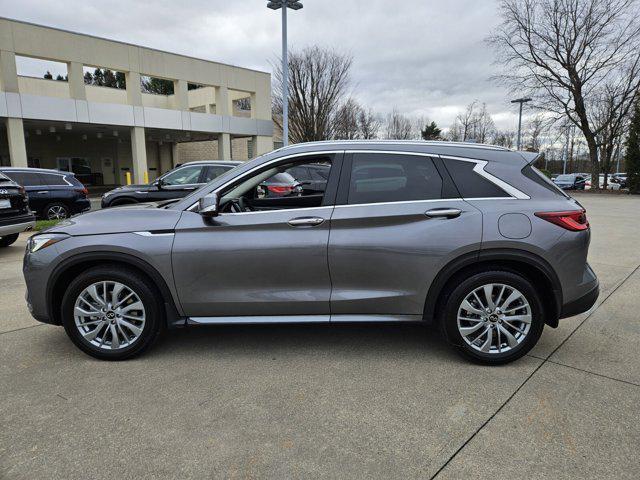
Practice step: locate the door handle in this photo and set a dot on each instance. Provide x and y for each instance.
(42, 192)
(443, 213)
(305, 221)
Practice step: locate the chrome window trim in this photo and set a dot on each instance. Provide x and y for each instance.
(151, 234)
(277, 211)
(479, 169)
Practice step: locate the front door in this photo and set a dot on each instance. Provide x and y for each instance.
(260, 258)
(397, 222)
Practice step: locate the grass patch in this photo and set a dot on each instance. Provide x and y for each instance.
(42, 224)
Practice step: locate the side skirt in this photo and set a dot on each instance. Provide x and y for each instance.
(274, 319)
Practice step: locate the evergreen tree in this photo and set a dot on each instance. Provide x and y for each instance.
(48, 75)
(159, 86)
(632, 156)
(98, 77)
(431, 132)
(109, 78)
(121, 82)
(88, 78)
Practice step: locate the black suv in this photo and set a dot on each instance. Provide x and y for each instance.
(15, 216)
(176, 183)
(53, 194)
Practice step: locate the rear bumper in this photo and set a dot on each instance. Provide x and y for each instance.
(582, 304)
(17, 224)
(81, 205)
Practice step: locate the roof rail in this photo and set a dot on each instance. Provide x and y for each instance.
(435, 143)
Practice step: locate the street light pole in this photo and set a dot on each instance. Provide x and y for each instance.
(520, 101)
(294, 5)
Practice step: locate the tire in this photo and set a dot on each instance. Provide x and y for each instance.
(103, 346)
(515, 337)
(55, 211)
(8, 239)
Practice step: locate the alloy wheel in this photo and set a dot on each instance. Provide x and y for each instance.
(56, 212)
(109, 315)
(494, 318)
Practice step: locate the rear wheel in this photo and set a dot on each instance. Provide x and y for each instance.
(493, 317)
(8, 239)
(56, 211)
(111, 312)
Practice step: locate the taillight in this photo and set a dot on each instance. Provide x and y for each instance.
(574, 220)
(83, 191)
(280, 190)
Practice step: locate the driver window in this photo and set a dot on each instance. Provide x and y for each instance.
(284, 186)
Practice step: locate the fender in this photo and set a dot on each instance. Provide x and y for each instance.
(173, 316)
(496, 255)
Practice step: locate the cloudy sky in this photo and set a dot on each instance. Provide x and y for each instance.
(425, 57)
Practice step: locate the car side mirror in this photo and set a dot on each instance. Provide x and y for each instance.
(159, 183)
(208, 205)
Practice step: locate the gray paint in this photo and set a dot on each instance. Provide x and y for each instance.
(373, 261)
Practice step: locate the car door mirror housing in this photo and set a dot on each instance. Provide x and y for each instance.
(208, 205)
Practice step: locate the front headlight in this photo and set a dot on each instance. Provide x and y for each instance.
(38, 242)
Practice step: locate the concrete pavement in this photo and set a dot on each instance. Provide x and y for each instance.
(366, 401)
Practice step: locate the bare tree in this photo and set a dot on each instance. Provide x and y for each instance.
(474, 124)
(483, 125)
(563, 53)
(506, 138)
(368, 124)
(318, 81)
(466, 121)
(536, 127)
(399, 126)
(346, 120)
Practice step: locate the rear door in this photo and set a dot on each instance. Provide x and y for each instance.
(397, 222)
(178, 183)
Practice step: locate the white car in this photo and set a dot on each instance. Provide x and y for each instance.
(610, 185)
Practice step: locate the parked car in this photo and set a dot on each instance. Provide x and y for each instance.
(15, 216)
(279, 185)
(469, 237)
(176, 183)
(620, 179)
(312, 177)
(611, 185)
(53, 194)
(571, 181)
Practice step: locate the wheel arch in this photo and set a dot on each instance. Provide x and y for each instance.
(116, 202)
(533, 267)
(69, 268)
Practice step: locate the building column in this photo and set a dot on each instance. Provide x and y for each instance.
(224, 146)
(261, 145)
(175, 156)
(181, 91)
(138, 153)
(76, 81)
(222, 101)
(8, 72)
(17, 146)
(134, 94)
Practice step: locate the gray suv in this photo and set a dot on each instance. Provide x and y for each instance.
(468, 237)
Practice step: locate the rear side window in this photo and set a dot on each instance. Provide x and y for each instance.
(393, 178)
(53, 179)
(26, 179)
(532, 173)
(469, 183)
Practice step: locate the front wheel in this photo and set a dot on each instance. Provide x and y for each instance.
(111, 312)
(493, 317)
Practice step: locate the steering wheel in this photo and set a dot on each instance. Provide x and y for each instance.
(239, 205)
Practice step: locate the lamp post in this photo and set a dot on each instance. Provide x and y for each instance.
(276, 5)
(520, 101)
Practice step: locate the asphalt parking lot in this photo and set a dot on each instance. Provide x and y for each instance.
(366, 401)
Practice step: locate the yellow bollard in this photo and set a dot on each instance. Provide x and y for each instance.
(146, 177)
(128, 177)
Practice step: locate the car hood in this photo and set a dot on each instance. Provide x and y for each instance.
(130, 218)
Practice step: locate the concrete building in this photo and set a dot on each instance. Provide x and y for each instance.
(212, 111)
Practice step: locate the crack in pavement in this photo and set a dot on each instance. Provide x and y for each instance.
(544, 362)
